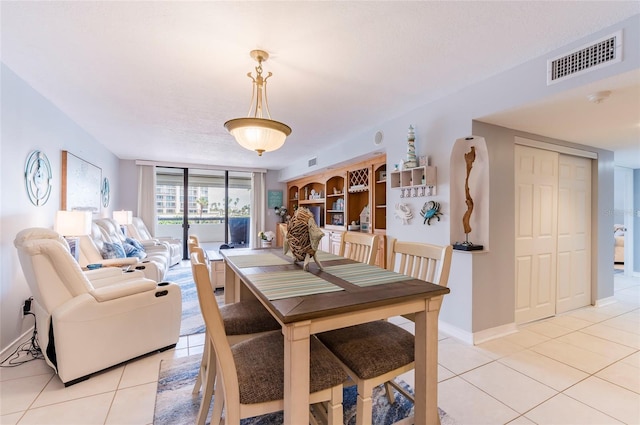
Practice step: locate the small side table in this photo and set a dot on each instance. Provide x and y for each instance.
(281, 228)
(216, 269)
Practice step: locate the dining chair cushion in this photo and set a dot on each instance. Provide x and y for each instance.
(247, 317)
(261, 377)
(371, 349)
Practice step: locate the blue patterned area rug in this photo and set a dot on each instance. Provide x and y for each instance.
(175, 405)
(192, 321)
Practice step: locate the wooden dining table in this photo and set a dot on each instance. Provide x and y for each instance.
(344, 293)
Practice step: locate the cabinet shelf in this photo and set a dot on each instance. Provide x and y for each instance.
(311, 201)
(347, 192)
(356, 189)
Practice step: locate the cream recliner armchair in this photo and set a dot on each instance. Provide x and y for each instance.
(138, 230)
(92, 245)
(84, 325)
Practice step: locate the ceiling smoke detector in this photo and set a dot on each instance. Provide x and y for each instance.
(599, 97)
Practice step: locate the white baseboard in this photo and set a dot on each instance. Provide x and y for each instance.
(457, 333)
(493, 333)
(477, 337)
(14, 345)
(605, 301)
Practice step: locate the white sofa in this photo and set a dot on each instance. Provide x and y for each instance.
(138, 230)
(152, 249)
(91, 247)
(87, 325)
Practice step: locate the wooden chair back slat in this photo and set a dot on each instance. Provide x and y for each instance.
(361, 247)
(422, 261)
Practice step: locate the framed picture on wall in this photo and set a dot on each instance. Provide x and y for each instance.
(81, 184)
(274, 198)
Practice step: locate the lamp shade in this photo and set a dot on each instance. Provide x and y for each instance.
(258, 134)
(73, 223)
(123, 217)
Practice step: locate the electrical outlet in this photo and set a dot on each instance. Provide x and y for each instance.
(26, 307)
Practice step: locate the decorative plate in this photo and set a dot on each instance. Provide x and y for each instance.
(105, 191)
(37, 178)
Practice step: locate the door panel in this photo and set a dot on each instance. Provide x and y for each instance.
(574, 233)
(536, 182)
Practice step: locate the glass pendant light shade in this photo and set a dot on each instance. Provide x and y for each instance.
(255, 132)
(258, 134)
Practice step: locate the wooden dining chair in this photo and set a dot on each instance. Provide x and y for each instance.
(193, 241)
(377, 352)
(372, 354)
(201, 254)
(361, 247)
(241, 320)
(250, 378)
(421, 261)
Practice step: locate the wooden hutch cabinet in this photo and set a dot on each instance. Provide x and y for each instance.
(355, 193)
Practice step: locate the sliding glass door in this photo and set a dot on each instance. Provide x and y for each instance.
(215, 205)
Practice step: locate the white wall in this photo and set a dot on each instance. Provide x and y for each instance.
(30, 122)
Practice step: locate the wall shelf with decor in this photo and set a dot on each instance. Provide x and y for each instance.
(415, 178)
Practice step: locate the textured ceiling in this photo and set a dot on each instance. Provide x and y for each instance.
(157, 80)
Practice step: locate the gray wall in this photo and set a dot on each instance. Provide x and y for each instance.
(497, 275)
(481, 286)
(30, 122)
(636, 220)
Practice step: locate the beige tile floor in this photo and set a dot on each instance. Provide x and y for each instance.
(582, 367)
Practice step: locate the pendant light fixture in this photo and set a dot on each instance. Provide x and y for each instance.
(255, 132)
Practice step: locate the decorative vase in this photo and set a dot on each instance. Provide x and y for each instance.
(411, 161)
(266, 244)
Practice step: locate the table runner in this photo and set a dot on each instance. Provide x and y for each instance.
(257, 260)
(321, 256)
(364, 275)
(327, 256)
(287, 284)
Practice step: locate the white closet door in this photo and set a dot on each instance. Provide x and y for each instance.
(574, 233)
(536, 211)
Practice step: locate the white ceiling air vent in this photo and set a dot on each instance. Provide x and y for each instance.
(605, 51)
(313, 161)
